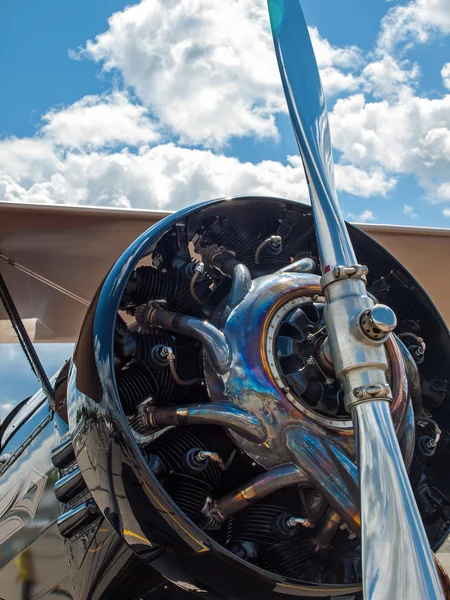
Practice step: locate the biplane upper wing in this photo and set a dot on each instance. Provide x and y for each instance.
(74, 247)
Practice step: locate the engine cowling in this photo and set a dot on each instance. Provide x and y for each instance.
(206, 416)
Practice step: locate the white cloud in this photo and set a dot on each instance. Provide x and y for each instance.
(387, 76)
(207, 70)
(445, 73)
(27, 159)
(199, 84)
(164, 177)
(408, 134)
(409, 210)
(414, 23)
(331, 60)
(366, 216)
(96, 121)
(365, 183)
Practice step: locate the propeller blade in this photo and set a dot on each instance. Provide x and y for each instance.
(307, 109)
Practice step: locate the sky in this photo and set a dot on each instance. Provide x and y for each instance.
(166, 103)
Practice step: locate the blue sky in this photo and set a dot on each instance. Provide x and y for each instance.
(172, 102)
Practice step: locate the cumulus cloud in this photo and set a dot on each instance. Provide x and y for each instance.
(387, 76)
(164, 177)
(409, 134)
(414, 23)
(366, 216)
(96, 121)
(364, 183)
(336, 64)
(186, 80)
(207, 70)
(445, 73)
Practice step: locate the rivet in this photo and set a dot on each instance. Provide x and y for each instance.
(253, 464)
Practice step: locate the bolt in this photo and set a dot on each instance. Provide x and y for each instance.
(311, 362)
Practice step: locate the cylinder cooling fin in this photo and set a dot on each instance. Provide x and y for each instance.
(201, 414)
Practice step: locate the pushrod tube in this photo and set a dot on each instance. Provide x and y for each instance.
(394, 543)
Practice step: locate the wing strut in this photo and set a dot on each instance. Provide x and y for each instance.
(25, 342)
(48, 282)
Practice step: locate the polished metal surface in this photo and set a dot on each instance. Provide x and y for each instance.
(62, 454)
(73, 520)
(242, 282)
(308, 112)
(211, 337)
(260, 487)
(116, 472)
(360, 363)
(341, 424)
(120, 478)
(391, 562)
(69, 485)
(304, 265)
(239, 420)
(293, 435)
(383, 318)
(28, 507)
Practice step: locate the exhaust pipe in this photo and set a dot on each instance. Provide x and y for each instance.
(240, 420)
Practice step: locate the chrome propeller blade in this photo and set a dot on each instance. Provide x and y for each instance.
(397, 559)
(309, 116)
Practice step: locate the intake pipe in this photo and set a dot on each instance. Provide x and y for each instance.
(269, 482)
(239, 420)
(152, 315)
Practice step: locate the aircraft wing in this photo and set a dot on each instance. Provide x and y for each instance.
(74, 247)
